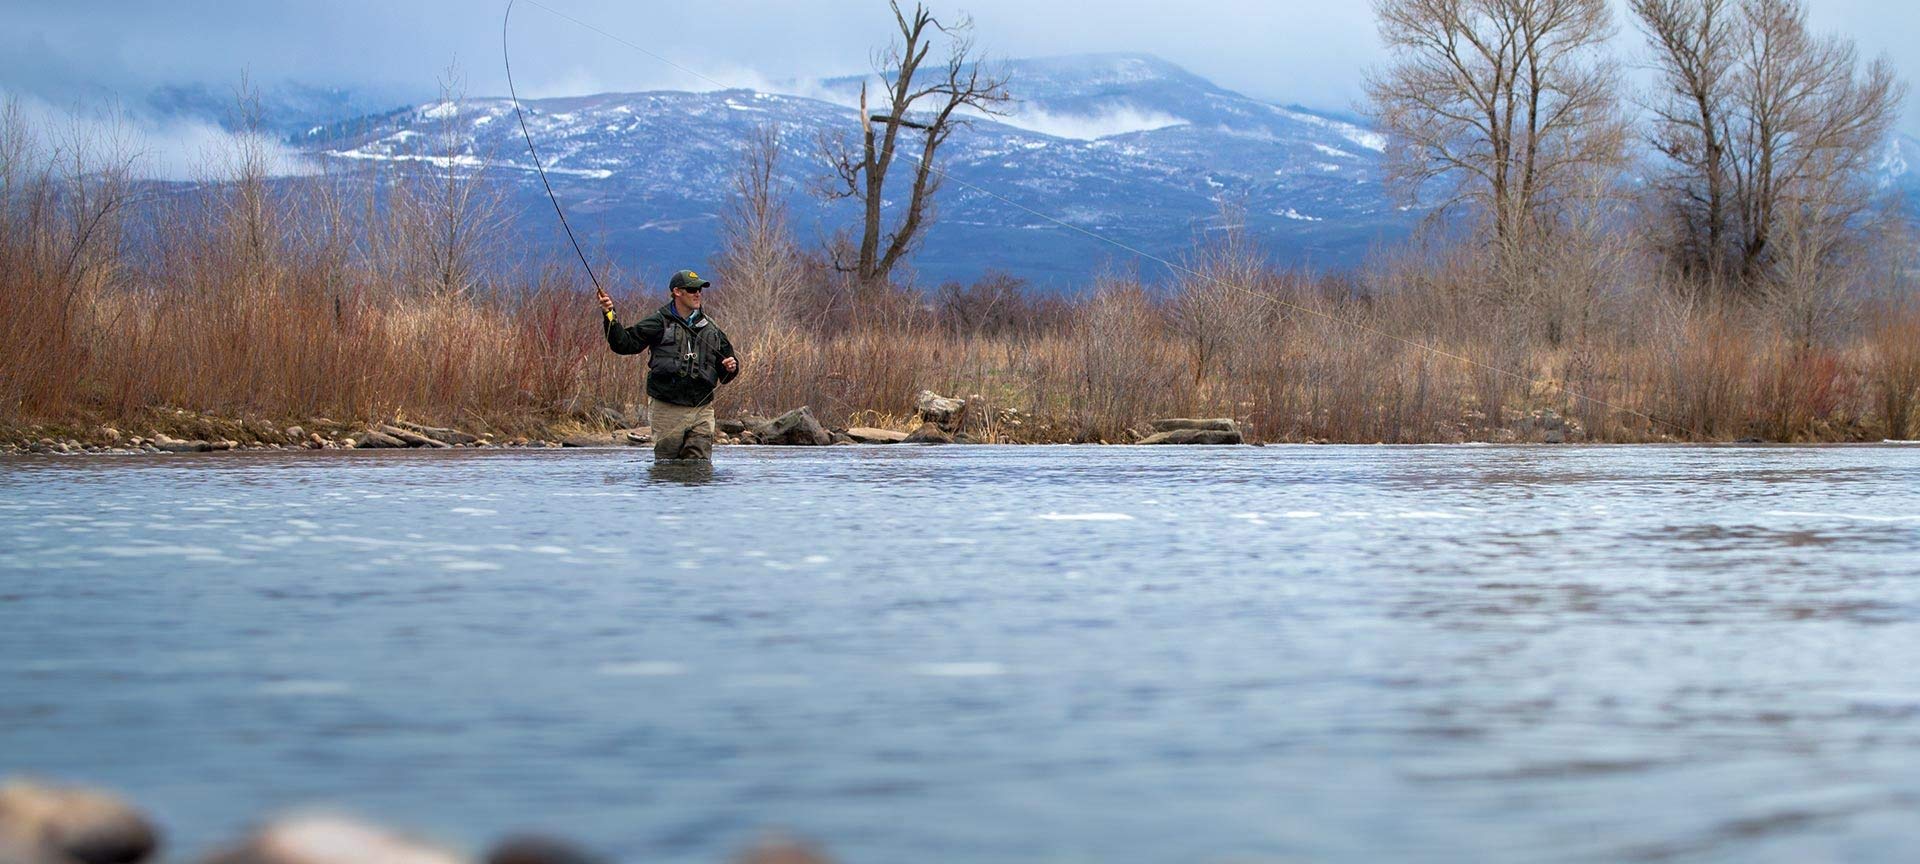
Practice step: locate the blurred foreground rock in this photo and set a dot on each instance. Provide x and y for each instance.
(783, 850)
(58, 825)
(534, 849)
(331, 840)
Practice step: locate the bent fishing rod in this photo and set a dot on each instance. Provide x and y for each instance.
(507, 58)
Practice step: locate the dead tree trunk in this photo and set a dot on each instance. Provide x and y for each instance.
(936, 108)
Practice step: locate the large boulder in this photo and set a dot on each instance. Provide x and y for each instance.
(871, 435)
(939, 410)
(1215, 424)
(72, 825)
(796, 427)
(374, 438)
(331, 840)
(1194, 436)
(928, 433)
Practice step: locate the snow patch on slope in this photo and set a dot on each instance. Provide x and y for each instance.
(1116, 120)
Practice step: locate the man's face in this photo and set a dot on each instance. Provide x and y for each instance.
(688, 298)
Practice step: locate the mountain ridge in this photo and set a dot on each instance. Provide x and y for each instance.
(1126, 146)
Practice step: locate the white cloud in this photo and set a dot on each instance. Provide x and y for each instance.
(170, 149)
(1116, 120)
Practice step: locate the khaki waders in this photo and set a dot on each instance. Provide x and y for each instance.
(681, 431)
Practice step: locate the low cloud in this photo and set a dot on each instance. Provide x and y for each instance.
(153, 148)
(1115, 120)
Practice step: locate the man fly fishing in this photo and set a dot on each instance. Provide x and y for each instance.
(690, 358)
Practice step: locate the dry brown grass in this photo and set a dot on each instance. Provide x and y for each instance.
(273, 301)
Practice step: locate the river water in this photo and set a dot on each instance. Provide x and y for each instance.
(1108, 654)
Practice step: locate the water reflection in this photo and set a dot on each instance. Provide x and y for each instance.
(683, 472)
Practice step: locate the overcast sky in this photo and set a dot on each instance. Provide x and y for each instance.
(1312, 53)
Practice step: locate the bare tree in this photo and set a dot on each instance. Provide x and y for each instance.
(760, 264)
(1693, 45)
(933, 110)
(1500, 105)
(242, 170)
(1767, 128)
(1220, 300)
(1806, 127)
(449, 210)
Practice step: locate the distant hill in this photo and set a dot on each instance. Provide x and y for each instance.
(1127, 146)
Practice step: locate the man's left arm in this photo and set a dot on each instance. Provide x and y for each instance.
(729, 362)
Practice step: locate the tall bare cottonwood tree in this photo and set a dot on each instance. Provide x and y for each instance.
(1693, 48)
(1502, 106)
(930, 105)
(1767, 127)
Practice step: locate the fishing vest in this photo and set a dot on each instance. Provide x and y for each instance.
(683, 368)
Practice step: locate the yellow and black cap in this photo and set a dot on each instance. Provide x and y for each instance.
(689, 280)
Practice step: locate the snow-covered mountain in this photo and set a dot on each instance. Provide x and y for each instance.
(1129, 150)
(1128, 147)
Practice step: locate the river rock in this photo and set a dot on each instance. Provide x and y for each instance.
(1194, 436)
(796, 427)
(928, 433)
(589, 440)
(168, 444)
(410, 437)
(1214, 424)
(634, 437)
(532, 849)
(74, 825)
(871, 435)
(450, 437)
(939, 410)
(331, 840)
(374, 438)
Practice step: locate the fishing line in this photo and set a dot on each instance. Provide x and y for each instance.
(1172, 266)
(508, 59)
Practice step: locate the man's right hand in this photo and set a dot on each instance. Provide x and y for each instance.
(606, 303)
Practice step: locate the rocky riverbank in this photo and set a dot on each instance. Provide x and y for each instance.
(936, 420)
(48, 824)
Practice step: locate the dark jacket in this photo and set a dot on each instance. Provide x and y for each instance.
(684, 366)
